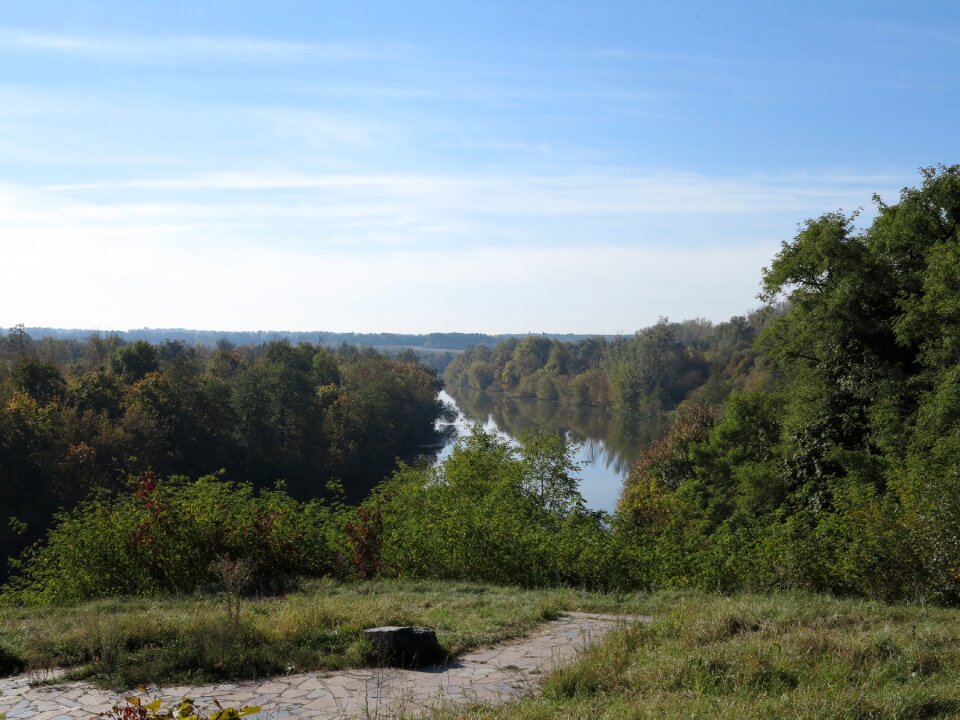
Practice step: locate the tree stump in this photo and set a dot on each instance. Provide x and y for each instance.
(406, 646)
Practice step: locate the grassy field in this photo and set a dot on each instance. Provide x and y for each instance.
(123, 643)
(785, 656)
(705, 656)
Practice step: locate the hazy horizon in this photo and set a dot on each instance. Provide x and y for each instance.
(315, 331)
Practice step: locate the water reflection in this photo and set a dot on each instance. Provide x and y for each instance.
(606, 443)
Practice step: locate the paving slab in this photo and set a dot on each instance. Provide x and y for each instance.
(489, 675)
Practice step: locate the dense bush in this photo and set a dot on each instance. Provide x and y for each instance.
(171, 536)
(491, 512)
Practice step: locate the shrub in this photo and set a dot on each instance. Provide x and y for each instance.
(136, 709)
(172, 536)
(492, 512)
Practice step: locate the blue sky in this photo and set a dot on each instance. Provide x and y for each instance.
(439, 166)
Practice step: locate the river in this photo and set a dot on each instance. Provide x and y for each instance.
(605, 446)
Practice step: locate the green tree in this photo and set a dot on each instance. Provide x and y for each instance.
(133, 362)
(40, 380)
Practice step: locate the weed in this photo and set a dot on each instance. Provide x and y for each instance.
(134, 708)
(235, 576)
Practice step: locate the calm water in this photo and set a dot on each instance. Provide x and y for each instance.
(605, 445)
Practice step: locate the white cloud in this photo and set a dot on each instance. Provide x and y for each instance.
(583, 194)
(325, 130)
(234, 49)
(401, 253)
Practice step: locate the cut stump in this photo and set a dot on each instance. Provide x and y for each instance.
(406, 646)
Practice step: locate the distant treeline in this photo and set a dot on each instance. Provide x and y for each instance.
(435, 350)
(83, 417)
(653, 371)
(379, 341)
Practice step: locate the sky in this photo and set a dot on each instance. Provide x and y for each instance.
(440, 166)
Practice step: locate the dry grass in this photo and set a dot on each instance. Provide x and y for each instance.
(706, 656)
(125, 642)
(788, 656)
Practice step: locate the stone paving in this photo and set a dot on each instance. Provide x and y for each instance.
(486, 675)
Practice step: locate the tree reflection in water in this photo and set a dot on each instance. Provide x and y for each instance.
(607, 443)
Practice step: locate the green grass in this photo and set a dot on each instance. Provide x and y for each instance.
(746, 657)
(705, 656)
(126, 642)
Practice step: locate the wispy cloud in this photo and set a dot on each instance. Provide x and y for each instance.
(563, 195)
(648, 56)
(904, 31)
(195, 47)
(324, 130)
(499, 93)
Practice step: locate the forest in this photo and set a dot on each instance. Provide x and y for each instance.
(812, 445)
(649, 373)
(84, 419)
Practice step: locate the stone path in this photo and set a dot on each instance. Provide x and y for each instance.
(485, 675)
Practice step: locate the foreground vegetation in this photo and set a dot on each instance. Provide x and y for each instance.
(123, 643)
(744, 657)
(705, 656)
(491, 512)
(840, 473)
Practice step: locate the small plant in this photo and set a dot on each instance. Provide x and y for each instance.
(235, 575)
(365, 537)
(136, 709)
